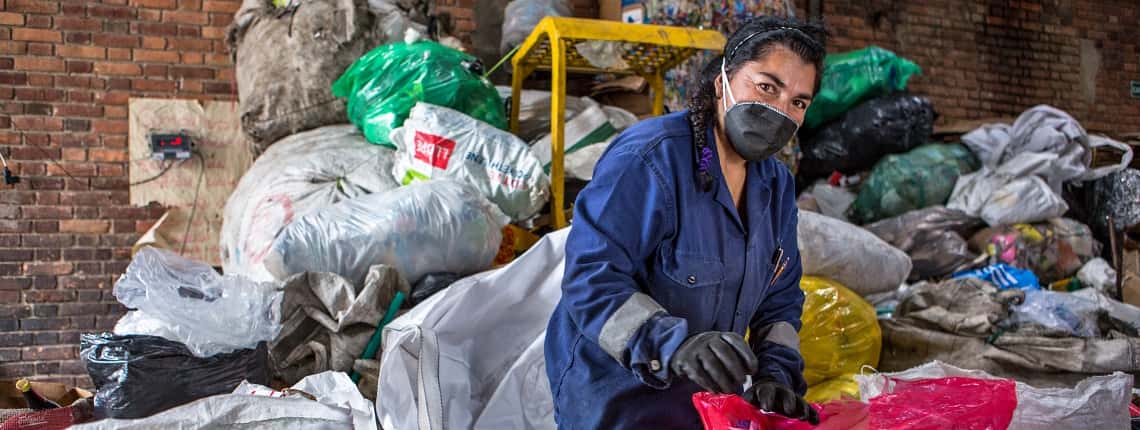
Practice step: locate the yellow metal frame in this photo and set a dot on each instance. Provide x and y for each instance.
(650, 51)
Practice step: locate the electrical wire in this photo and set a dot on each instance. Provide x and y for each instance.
(194, 205)
(52, 160)
(155, 177)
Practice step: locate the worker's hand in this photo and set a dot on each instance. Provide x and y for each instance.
(717, 361)
(775, 397)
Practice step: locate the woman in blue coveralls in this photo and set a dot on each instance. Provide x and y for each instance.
(684, 241)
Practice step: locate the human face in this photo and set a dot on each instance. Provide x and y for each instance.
(780, 79)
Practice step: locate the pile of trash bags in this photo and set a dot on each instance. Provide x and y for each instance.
(383, 246)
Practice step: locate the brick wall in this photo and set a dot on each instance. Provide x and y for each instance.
(67, 69)
(996, 58)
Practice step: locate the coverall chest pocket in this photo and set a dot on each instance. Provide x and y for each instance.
(689, 285)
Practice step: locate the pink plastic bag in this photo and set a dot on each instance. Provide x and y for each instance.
(944, 403)
(731, 412)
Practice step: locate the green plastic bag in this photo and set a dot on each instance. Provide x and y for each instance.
(921, 178)
(855, 76)
(384, 84)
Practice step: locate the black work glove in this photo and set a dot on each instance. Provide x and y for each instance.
(775, 397)
(718, 361)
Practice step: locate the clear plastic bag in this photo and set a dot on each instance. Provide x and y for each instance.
(187, 301)
(945, 403)
(521, 16)
(840, 332)
(425, 227)
(384, 84)
(440, 143)
(1063, 312)
(293, 178)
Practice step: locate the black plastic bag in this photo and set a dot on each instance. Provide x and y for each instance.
(431, 284)
(139, 376)
(886, 125)
(933, 237)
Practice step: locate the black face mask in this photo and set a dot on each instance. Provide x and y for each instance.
(756, 130)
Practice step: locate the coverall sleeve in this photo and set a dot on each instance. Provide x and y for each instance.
(775, 325)
(619, 220)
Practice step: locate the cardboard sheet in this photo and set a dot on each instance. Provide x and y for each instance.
(215, 129)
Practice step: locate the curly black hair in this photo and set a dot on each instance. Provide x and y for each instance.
(750, 42)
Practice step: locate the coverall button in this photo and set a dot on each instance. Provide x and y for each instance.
(692, 279)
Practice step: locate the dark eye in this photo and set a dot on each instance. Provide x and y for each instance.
(768, 88)
(800, 104)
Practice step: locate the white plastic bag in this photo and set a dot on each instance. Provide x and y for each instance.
(833, 201)
(846, 253)
(1098, 402)
(187, 301)
(595, 123)
(293, 178)
(1097, 274)
(470, 357)
(426, 227)
(1023, 200)
(436, 142)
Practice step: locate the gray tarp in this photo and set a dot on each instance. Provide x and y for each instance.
(327, 321)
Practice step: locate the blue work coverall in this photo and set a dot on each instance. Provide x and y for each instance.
(651, 259)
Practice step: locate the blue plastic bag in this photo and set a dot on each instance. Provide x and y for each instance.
(1004, 277)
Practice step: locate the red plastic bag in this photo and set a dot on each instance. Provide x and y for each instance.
(731, 412)
(944, 403)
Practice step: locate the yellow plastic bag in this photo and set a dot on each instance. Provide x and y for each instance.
(833, 389)
(840, 331)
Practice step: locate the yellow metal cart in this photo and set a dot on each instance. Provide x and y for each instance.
(648, 51)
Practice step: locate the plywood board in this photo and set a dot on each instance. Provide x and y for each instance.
(215, 128)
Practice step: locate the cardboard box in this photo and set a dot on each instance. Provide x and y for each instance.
(610, 10)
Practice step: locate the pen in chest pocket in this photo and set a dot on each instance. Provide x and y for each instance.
(780, 264)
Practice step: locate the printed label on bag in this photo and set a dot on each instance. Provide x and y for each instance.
(434, 150)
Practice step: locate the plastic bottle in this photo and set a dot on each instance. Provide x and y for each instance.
(35, 400)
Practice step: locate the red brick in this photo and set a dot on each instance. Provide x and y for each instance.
(190, 86)
(48, 296)
(106, 170)
(190, 45)
(33, 6)
(81, 51)
(13, 48)
(40, 324)
(189, 31)
(151, 42)
(150, 15)
(84, 226)
(201, 73)
(117, 69)
(114, 142)
(12, 19)
(37, 123)
(214, 33)
(38, 21)
(36, 35)
(39, 64)
(41, 49)
(39, 80)
(119, 54)
(74, 8)
(18, 255)
(108, 155)
(155, 70)
(72, 124)
(48, 268)
(190, 4)
(114, 12)
(154, 86)
(185, 17)
(78, 38)
(76, 96)
(154, 56)
(50, 353)
(80, 67)
(156, 29)
(219, 88)
(70, 23)
(221, 19)
(110, 127)
(155, 4)
(18, 78)
(220, 6)
(112, 112)
(73, 81)
(79, 111)
(117, 40)
(72, 170)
